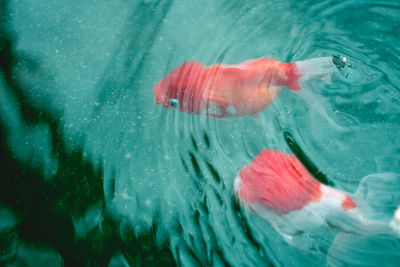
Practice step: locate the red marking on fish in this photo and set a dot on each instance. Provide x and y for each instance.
(278, 181)
(348, 203)
(232, 90)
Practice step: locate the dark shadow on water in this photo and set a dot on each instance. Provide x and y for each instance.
(308, 164)
(46, 208)
(137, 38)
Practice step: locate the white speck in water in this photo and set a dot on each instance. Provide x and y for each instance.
(148, 202)
(128, 155)
(125, 195)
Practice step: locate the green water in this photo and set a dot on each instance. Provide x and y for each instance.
(94, 173)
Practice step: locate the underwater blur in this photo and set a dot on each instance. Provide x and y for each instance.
(94, 172)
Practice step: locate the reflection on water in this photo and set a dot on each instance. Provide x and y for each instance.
(94, 173)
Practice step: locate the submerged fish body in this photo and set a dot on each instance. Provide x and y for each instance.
(278, 188)
(225, 90)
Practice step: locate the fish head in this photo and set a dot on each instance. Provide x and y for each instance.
(166, 93)
(164, 97)
(160, 96)
(181, 88)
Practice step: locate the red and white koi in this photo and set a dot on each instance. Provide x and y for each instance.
(277, 187)
(230, 90)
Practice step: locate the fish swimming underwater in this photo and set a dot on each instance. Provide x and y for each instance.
(228, 90)
(278, 188)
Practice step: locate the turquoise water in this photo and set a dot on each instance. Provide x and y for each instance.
(94, 173)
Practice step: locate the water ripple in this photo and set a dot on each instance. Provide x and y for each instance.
(167, 175)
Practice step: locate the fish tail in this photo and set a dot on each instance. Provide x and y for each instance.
(376, 239)
(370, 244)
(380, 194)
(320, 67)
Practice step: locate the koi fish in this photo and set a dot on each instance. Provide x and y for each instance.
(278, 188)
(229, 90)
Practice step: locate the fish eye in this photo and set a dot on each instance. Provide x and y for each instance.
(173, 102)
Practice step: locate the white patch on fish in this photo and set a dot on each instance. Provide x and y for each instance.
(239, 66)
(231, 110)
(211, 109)
(395, 222)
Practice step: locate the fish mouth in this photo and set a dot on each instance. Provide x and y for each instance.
(159, 95)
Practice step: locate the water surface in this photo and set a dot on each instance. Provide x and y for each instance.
(94, 173)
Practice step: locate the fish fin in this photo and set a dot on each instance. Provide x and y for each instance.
(287, 237)
(313, 96)
(327, 79)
